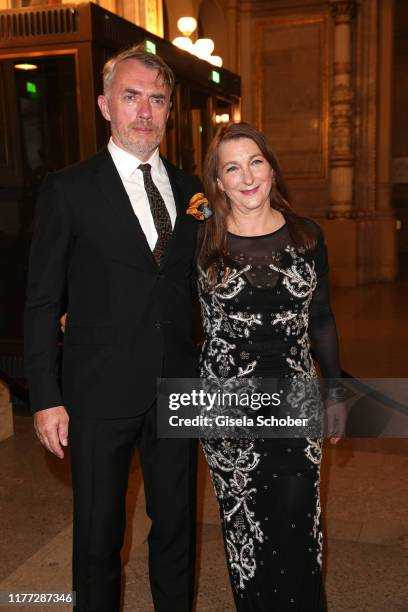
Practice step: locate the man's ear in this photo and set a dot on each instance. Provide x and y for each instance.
(104, 107)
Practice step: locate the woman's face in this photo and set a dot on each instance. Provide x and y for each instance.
(244, 174)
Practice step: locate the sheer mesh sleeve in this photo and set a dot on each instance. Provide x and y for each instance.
(322, 326)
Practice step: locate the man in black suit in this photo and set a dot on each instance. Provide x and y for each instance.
(112, 232)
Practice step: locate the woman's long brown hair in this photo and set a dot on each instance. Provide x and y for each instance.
(213, 245)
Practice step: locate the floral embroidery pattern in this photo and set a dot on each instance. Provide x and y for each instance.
(235, 494)
(226, 358)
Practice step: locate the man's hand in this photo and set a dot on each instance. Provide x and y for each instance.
(51, 427)
(336, 419)
(63, 322)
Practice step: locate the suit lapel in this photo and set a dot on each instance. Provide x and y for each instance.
(124, 224)
(176, 187)
(178, 194)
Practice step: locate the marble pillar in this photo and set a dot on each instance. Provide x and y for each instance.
(384, 130)
(360, 226)
(342, 114)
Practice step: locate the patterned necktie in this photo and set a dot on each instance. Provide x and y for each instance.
(159, 212)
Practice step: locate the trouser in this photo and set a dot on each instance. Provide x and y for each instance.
(101, 454)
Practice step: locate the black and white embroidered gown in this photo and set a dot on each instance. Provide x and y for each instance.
(260, 322)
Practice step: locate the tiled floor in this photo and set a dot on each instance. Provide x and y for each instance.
(364, 491)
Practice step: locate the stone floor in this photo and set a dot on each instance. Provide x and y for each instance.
(373, 327)
(364, 494)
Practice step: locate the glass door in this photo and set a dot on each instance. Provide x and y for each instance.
(38, 134)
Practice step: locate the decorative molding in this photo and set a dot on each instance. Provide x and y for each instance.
(341, 68)
(343, 11)
(351, 214)
(366, 103)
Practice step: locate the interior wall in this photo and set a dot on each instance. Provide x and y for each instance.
(284, 58)
(317, 80)
(400, 122)
(177, 9)
(214, 25)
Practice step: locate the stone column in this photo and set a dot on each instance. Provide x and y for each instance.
(342, 114)
(385, 89)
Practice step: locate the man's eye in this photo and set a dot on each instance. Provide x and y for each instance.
(158, 101)
(130, 98)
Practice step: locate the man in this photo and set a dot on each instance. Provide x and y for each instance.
(112, 232)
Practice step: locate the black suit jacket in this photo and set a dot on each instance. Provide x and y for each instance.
(130, 321)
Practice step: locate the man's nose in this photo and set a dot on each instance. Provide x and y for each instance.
(144, 109)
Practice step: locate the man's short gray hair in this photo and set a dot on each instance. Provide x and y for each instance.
(139, 53)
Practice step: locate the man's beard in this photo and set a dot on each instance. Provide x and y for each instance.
(133, 146)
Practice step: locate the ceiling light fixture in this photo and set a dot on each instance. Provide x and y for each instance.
(187, 25)
(185, 43)
(26, 66)
(202, 48)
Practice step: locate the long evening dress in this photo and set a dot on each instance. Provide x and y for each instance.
(259, 321)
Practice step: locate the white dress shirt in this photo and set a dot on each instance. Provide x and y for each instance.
(132, 179)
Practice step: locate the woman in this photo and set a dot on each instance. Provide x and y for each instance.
(263, 289)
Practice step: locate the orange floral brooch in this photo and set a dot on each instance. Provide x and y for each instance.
(198, 207)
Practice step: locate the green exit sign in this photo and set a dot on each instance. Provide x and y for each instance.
(150, 46)
(215, 76)
(31, 87)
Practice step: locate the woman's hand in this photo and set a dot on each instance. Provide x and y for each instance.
(336, 418)
(63, 321)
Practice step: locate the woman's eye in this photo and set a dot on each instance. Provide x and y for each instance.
(257, 161)
(231, 168)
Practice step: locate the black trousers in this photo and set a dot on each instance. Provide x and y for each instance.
(101, 454)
